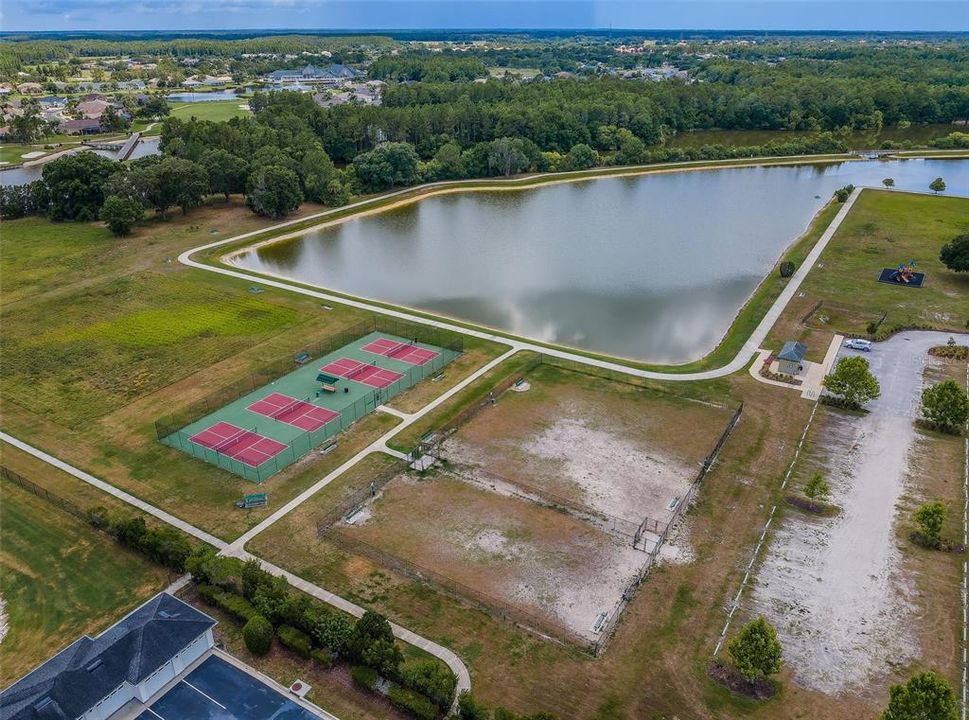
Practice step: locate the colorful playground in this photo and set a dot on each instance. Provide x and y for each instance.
(268, 429)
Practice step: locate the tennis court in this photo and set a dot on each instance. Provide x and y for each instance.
(274, 424)
(299, 413)
(246, 446)
(361, 372)
(406, 351)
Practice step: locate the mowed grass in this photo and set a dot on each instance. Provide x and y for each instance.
(61, 579)
(883, 229)
(215, 110)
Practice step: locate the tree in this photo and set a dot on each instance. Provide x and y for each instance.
(946, 406)
(506, 156)
(955, 253)
(581, 157)
(853, 382)
(29, 126)
(386, 166)
(155, 106)
(843, 193)
(161, 182)
(226, 172)
(930, 518)
(926, 696)
(817, 488)
(274, 191)
(756, 651)
(112, 120)
(121, 213)
(76, 185)
(888, 182)
(258, 635)
(469, 709)
(937, 185)
(321, 179)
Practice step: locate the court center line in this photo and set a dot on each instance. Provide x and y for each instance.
(207, 697)
(160, 717)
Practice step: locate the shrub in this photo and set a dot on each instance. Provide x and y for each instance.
(946, 407)
(98, 517)
(469, 709)
(842, 194)
(364, 677)
(787, 269)
(331, 631)
(295, 640)
(258, 635)
(430, 678)
(412, 703)
(817, 488)
(930, 518)
(323, 657)
(208, 593)
(926, 696)
(237, 606)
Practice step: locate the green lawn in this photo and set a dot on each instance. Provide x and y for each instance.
(216, 110)
(61, 579)
(884, 229)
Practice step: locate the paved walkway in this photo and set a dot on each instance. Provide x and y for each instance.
(112, 490)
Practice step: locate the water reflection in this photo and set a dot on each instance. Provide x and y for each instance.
(653, 267)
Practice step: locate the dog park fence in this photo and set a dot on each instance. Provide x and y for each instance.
(170, 428)
(43, 493)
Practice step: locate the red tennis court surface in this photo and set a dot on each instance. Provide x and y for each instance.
(400, 351)
(362, 372)
(246, 446)
(298, 413)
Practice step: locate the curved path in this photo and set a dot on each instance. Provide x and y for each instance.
(739, 361)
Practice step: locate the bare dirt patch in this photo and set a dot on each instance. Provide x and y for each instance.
(535, 562)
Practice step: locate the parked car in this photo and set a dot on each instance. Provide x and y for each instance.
(859, 344)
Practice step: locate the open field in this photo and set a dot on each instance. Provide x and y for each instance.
(106, 335)
(214, 110)
(885, 228)
(61, 579)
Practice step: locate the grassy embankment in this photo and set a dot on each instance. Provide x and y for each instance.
(102, 336)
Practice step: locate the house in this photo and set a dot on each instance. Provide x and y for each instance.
(87, 126)
(30, 88)
(331, 75)
(790, 360)
(93, 108)
(92, 678)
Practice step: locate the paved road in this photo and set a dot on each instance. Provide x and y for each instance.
(740, 361)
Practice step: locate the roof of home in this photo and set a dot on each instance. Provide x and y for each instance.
(792, 351)
(83, 124)
(88, 670)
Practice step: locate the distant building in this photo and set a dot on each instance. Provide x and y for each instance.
(93, 108)
(791, 358)
(331, 75)
(87, 126)
(93, 678)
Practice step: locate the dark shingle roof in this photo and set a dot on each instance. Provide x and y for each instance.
(88, 670)
(793, 351)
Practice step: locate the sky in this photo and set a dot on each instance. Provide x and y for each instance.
(891, 15)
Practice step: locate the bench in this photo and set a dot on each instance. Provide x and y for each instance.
(302, 358)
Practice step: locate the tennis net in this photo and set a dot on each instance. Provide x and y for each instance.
(357, 370)
(233, 440)
(285, 409)
(397, 348)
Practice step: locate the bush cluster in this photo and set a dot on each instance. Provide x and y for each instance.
(165, 545)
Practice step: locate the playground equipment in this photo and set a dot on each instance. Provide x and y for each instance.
(904, 272)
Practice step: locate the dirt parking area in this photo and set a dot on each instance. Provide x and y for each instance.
(544, 568)
(623, 453)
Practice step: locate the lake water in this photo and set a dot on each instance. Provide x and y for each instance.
(212, 96)
(24, 175)
(653, 267)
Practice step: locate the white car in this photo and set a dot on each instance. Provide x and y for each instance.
(859, 344)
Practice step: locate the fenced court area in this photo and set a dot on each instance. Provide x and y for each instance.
(256, 430)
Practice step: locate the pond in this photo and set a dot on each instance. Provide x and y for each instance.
(652, 267)
(24, 175)
(212, 96)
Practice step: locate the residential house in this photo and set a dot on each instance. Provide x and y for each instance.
(93, 678)
(86, 126)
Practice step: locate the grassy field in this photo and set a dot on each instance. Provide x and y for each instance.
(102, 336)
(883, 229)
(61, 579)
(215, 110)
